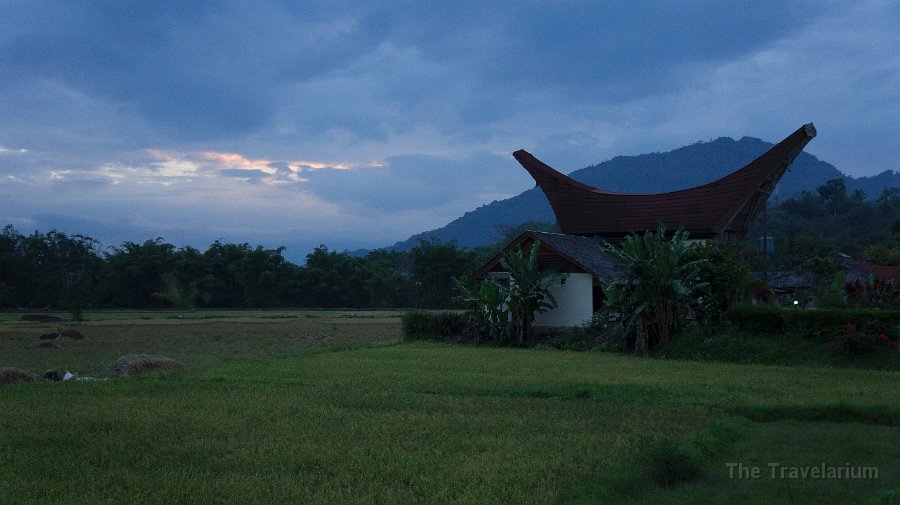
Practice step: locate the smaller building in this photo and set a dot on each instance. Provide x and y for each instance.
(861, 271)
(855, 271)
(584, 261)
(785, 281)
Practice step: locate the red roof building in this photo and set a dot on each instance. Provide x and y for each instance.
(724, 209)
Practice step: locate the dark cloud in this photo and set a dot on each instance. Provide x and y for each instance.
(203, 70)
(122, 99)
(196, 69)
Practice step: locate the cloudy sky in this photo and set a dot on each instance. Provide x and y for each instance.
(358, 124)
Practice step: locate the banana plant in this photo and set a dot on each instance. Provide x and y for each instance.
(657, 280)
(505, 311)
(528, 290)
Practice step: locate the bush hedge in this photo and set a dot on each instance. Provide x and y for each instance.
(761, 318)
(421, 325)
(805, 322)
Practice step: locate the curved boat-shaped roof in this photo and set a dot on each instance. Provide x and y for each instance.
(725, 208)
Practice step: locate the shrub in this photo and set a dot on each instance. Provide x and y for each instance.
(762, 293)
(873, 293)
(847, 331)
(599, 333)
(670, 463)
(757, 318)
(856, 340)
(890, 497)
(823, 322)
(418, 325)
(574, 338)
(725, 275)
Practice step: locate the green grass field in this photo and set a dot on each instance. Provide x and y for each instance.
(327, 407)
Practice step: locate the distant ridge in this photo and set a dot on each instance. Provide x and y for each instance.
(681, 168)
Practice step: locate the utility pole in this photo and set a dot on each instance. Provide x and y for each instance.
(765, 241)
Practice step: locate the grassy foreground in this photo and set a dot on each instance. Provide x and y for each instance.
(271, 417)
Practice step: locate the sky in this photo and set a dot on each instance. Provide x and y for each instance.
(358, 124)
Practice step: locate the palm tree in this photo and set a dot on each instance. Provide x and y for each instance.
(657, 280)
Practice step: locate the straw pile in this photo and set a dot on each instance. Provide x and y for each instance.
(133, 365)
(13, 375)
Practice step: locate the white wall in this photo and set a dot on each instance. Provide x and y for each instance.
(575, 302)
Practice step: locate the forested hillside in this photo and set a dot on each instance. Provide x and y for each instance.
(648, 173)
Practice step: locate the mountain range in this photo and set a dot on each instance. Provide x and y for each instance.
(681, 168)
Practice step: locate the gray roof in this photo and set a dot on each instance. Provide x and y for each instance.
(785, 280)
(587, 252)
(853, 271)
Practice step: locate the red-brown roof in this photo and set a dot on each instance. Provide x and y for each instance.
(882, 272)
(725, 208)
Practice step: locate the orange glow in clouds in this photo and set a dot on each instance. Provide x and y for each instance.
(235, 161)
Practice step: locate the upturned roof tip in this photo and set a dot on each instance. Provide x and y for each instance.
(810, 130)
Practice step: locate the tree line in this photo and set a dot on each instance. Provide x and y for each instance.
(69, 271)
(831, 220)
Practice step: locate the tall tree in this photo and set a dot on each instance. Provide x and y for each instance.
(723, 271)
(434, 266)
(136, 272)
(390, 280)
(333, 279)
(834, 194)
(48, 270)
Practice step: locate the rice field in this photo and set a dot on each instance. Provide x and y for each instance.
(329, 407)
